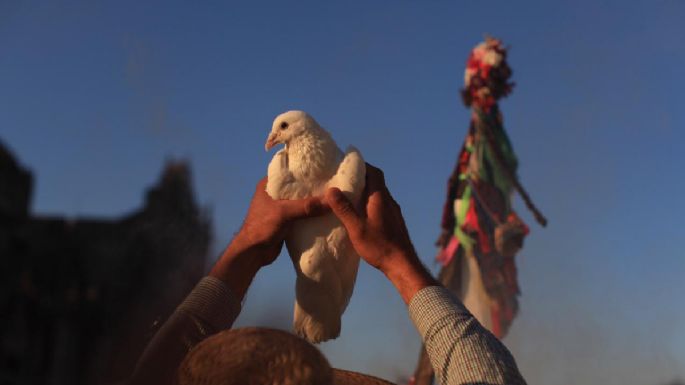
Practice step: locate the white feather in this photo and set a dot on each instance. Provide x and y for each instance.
(323, 257)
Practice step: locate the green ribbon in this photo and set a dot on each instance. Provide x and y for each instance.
(464, 239)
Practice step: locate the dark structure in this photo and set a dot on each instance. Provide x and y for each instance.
(79, 299)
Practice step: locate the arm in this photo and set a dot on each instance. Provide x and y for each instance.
(208, 309)
(214, 303)
(460, 349)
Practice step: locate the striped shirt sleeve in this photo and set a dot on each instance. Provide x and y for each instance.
(460, 349)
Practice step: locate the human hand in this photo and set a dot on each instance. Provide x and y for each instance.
(266, 221)
(379, 235)
(260, 238)
(378, 232)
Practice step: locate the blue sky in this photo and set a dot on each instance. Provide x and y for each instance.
(95, 96)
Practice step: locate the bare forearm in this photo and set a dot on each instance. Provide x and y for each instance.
(238, 265)
(408, 275)
(215, 302)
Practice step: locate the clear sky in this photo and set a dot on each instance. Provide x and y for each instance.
(95, 96)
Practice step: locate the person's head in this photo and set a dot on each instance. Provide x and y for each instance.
(260, 356)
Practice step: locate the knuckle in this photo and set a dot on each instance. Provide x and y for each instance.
(376, 173)
(380, 175)
(345, 208)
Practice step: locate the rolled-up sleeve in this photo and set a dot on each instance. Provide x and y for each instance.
(209, 308)
(460, 349)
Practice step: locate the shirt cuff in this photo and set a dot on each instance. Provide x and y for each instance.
(213, 302)
(431, 304)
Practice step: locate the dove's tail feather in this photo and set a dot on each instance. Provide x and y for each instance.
(315, 329)
(317, 308)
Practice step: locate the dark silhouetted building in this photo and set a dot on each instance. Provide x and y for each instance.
(80, 298)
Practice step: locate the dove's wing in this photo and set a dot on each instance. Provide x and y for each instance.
(281, 184)
(350, 179)
(351, 175)
(278, 175)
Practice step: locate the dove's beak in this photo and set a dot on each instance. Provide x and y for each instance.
(271, 141)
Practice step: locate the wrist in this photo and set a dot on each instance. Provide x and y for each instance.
(407, 274)
(237, 266)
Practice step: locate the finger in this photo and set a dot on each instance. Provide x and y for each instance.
(375, 180)
(301, 208)
(343, 209)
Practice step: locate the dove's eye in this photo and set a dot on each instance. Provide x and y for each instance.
(284, 125)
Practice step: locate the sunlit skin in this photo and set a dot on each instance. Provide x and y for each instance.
(260, 238)
(379, 235)
(377, 231)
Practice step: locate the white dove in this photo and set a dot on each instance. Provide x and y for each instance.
(324, 259)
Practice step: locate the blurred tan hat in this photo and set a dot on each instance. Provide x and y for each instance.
(260, 356)
(345, 377)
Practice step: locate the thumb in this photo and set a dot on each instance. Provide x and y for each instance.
(343, 209)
